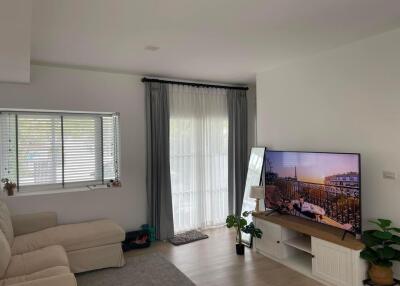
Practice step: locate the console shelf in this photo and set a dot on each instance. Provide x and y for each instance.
(312, 249)
(301, 262)
(313, 229)
(302, 242)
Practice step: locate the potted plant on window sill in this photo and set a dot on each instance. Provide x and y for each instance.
(8, 186)
(240, 224)
(379, 251)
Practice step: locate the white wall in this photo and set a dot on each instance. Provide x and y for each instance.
(71, 89)
(15, 40)
(344, 100)
(60, 88)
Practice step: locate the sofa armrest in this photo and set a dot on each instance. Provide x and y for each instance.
(59, 280)
(28, 223)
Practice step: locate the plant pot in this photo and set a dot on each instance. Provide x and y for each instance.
(381, 275)
(239, 249)
(10, 192)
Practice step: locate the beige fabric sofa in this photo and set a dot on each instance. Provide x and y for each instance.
(35, 250)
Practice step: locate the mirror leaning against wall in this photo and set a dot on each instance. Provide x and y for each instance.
(254, 178)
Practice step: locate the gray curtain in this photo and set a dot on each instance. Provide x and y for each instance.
(158, 175)
(237, 148)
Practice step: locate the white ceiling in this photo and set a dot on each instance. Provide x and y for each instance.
(211, 40)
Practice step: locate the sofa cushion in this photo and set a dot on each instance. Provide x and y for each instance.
(28, 223)
(37, 260)
(5, 256)
(5, 222)
(93, 258)
(48, 272)
(65, 279)
(71, 236)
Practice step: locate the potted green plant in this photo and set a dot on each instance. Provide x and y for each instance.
(240, 224)
(8, 186)
(379, 251)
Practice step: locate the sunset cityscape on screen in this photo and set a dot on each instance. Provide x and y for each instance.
(324, 187)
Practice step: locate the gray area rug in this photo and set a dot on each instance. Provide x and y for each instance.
(187, 237)
(144, 270)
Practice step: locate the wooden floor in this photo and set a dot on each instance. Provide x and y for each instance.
(213, 261)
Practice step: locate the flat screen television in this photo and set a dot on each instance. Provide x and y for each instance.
(323, 187)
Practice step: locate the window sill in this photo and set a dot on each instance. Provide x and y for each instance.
(60, 191)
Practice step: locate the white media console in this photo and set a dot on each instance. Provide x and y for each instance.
(312, 249)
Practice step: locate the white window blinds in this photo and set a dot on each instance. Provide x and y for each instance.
(39, 150)
(49, 150)
(82, 149)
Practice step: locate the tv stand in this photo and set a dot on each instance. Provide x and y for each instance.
(313, 249)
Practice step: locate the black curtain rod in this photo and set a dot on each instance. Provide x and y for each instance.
(145, 79)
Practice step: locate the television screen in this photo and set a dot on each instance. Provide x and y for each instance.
(323, 187)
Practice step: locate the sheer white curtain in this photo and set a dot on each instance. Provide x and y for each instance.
(198, 156)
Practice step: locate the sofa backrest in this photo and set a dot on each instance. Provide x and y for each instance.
(6, 223)
(5, 256)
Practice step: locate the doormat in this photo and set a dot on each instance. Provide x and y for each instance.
(187, 237)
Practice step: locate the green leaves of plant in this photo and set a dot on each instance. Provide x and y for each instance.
(382, 223)
(397, 255)
(369, 254)
(257, 233)
(384, 263)
(379, 257)
(246, 214)
(384, 235)
(385, 222)
(379, 243)
(369, 239)
(395, 239)
(231, 221)
(388, 252)
(252, 230)
(240, 223)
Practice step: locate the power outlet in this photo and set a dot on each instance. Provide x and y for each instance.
(389, 175)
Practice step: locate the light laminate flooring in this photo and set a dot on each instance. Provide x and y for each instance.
(213, 261)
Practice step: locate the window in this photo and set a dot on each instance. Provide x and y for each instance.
(51, 150)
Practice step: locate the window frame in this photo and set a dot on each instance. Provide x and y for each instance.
(73, 186)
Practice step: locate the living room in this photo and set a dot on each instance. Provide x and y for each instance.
(123, 116)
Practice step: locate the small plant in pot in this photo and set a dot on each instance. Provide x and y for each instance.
(240, 224)
(379, 251)
(8, 186)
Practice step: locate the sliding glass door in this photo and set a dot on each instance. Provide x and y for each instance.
(198, 156)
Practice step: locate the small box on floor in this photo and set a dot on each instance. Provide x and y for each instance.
(136, 240)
